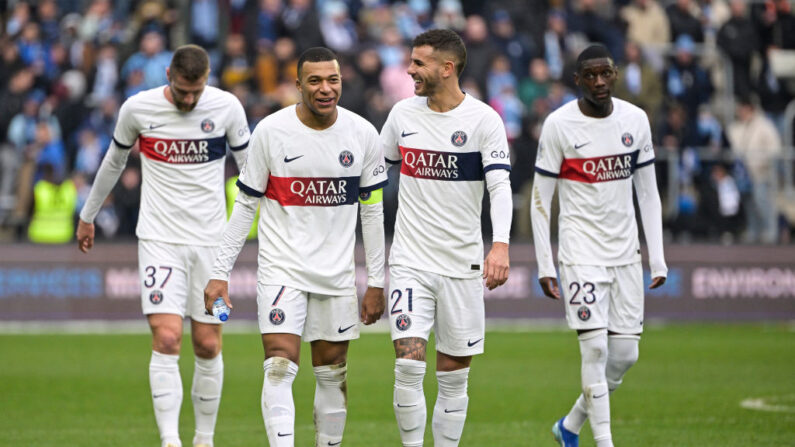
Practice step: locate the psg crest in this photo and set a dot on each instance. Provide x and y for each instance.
(627, 139)
(459, 138)
(346, 159)
(208, 125)
(584, 313)
(156, 297)
(403, 322)
(276, 317)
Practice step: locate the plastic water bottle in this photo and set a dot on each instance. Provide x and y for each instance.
(220, 309)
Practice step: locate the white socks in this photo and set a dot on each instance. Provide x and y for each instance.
(208, 379)
(166, 385)
(622, 353)
(278, 408)
(330, 404)
(409, 401)
(450, 411)
(593, 349)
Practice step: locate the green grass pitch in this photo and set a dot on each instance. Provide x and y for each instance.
(92, 390)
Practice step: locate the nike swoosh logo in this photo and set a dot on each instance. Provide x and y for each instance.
(207, 399)
(453, 411)
(404, 134)
(288, 160)
(334, 443)
(601, 395)
(473, 343)
(577, 146)
(281, 435)
(406, 406)
(341, 330)
(152, 126)
(155, 396)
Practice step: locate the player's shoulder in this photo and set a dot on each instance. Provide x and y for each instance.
(146, 100)
(411, 104)
(563, 115)
(627, 110)
(215, 94)
(357, 121)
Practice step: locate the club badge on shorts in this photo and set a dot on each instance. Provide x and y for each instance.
(276, 317)
(156, 297)
(403, 322)
(584, 313)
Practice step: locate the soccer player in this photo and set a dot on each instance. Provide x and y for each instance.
(310, 167)
(448, 143)
(595, 149)
(183, 129)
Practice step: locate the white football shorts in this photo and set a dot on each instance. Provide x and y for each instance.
(598, 297)
(419, 301)
(173, 278)
(282, 309)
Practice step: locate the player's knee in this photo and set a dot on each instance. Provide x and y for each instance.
(207, 347)
(409, 374)
(166, 341)
(623, 354)
(593, 346)
(453, 384)
(280, 370)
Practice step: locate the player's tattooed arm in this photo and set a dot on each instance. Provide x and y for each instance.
(410, 348)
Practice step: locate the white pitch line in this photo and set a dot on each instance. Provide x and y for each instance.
(767, 404)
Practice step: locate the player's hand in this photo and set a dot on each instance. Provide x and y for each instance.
(373, 305)
(550, 287)
(657, 281)
(214, 289)
(496, 266)
(84, 235)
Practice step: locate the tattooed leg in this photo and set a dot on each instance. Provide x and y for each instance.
(409, 400)
(410, 348)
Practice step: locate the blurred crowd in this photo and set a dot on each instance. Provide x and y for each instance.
(713, 76)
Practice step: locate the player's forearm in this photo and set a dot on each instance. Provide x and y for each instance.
(543, 190)
(107, 176)
(645, 181)
(501, 198)
(240, 158)
(372, 215)
(234, 237)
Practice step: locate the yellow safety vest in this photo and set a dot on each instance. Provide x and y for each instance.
(231, 194)
(53, 212)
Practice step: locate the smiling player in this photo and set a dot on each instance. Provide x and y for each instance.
(595, 149)
(449, 144)
(309, 167)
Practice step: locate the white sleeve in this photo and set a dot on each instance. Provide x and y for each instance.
(373, 239)
(541, 204)
(388, 139)
(501, 199)
(243, 213)
(240, 158)
(645, 181)
(107, 176)
(237, 132)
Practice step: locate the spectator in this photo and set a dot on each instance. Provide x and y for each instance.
(480, 50)
(638, 83)
(450, 15)
(754, 139)
(146, 69)
(722, 203)
(500, 77)
(339, 31)
(536, 85)
(205, 23)
(234, 68)
(516, 46)
(683, 17)
(686, 81)
(301, 24)
(738, 39)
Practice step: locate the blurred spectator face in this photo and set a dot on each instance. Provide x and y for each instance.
(745, 111)
(21, 81)
(737, 8)
(284, 49)
(109, 106)
(47, 10)
(369, 62)
(300, 4)
(557, 23)
(320, 86)
(500, 64)
(596, 78)
(185, 94)
(58, 54)
(539, 70)
(503, 26)
(684, 49)
(43, 135)
(270, 6)
(235, 45)
(151, 43)
(30, 32)
(632, 52)
(642, 4)
(476, 30)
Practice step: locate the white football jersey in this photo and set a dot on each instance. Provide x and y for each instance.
(310, 181)
(593, 160)
(182, 191)
(444, 158)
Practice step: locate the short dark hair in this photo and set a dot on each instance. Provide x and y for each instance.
(447, 41)
(595, 51)
(191, 62)
(315, 54)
